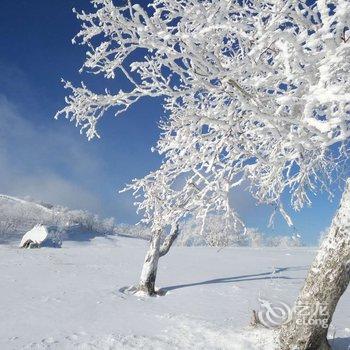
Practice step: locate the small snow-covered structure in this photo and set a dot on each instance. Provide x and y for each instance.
(41, 235)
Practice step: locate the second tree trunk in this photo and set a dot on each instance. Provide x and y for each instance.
(327, 280)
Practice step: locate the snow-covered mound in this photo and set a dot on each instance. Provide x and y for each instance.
(41, 235)
(36, 235)
(18, 216)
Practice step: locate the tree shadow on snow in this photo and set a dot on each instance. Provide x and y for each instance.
(271, 275)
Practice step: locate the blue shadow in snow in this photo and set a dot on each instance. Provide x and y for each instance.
(271, 275)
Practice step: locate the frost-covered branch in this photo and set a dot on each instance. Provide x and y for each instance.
(169, 240)
(253, 91)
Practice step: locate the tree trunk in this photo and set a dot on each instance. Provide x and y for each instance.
(155, 251)
(327, 280)
(150, 266)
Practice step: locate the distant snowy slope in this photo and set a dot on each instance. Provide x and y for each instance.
(4, 197)
(17, 216)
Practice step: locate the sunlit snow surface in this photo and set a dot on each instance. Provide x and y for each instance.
(69, 298)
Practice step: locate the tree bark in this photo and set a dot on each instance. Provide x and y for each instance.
(326, 281)
(150, 266)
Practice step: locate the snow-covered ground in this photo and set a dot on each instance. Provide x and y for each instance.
(69, 298)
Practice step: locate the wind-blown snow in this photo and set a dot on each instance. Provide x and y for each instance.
(69, 298)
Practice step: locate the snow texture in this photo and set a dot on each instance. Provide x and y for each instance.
(69, 298)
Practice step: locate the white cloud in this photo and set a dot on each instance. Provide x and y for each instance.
(44, 163)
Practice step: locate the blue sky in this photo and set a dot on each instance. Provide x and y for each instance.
(49, 160)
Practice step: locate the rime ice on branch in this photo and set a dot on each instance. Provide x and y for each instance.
(257, 91)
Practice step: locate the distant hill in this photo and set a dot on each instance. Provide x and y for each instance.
(215, 233)
(17, 216)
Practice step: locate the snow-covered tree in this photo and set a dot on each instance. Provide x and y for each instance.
(254, 237)
(254, 91)
(214, 231)
(137, 231)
